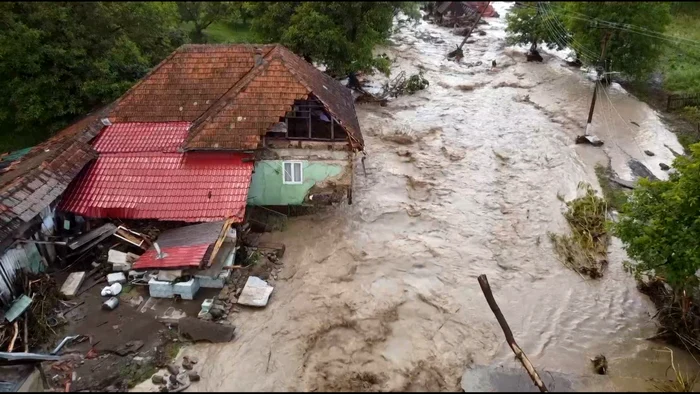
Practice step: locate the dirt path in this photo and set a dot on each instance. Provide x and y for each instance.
(382, 295)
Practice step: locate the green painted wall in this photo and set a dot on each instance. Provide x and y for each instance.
(267, 187)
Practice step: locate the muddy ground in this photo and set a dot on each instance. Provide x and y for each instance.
(464, 178)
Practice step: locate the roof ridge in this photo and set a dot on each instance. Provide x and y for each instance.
(224, 100)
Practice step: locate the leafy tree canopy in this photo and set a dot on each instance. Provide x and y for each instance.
(203, 13)
(58, 61)
(340, 35)
(631, 53)
(660, 224)
(527, 25)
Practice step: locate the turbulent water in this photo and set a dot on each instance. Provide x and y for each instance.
(461, 179)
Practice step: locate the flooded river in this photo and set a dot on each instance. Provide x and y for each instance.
(382, 294)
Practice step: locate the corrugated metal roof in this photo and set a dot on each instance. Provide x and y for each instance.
(176, 257)
(190, 187)
(197, 234)
(141, 137)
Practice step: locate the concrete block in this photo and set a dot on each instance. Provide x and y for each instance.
(186, 290)
(116, 277)
(159, 289)
(72, 284)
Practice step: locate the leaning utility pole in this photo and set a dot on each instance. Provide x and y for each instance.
(458, 53)
(483, 10)
(595, 88)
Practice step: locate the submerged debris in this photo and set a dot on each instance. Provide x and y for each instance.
(585, 250)
(600, 364)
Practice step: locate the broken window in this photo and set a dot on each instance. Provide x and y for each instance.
(308, 119)
(292, 172)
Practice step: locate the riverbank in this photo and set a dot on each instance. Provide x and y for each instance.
(382, 294)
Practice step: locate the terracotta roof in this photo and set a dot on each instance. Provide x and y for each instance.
(258, 101)
(190, 187)
(39, 177)
(185, 84)
(141, 137)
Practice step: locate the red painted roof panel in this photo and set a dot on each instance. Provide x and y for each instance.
(190, 187)
(176, 257)
(142, 137)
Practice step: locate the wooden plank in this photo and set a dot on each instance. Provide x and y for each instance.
(220, 240)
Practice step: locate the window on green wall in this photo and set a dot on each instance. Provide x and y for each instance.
(292, 173)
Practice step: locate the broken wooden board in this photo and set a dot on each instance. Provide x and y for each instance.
(220, 240)
(201, 330)
(132, 237)
(72, 284)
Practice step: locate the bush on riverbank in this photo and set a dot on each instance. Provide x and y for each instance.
(585, 250)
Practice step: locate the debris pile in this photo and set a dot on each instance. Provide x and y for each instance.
(391, 89)
(177, 379)
(585, 250)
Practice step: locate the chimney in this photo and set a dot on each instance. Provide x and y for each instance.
(258, 57)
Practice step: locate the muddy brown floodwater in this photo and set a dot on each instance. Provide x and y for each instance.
(382, 294)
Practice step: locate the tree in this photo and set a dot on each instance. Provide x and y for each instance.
(58, 61)
(340, 35)
(203, 13)
(634, 54)
(527, 25)
(660, 225)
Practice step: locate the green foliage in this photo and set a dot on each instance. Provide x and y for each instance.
(230, 33)
(59, 61)
(660, 225)
(416, 82)
(528, 26)
(340, 35)
(680, 62)
(585, 250)
(202, 14)
(633, 54)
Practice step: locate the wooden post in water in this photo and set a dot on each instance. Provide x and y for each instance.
(595, 88)
(519, 354)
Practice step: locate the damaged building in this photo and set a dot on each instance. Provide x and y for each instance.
(210, 130)
(214, 128)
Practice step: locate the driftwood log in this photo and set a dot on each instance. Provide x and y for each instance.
(519, 354)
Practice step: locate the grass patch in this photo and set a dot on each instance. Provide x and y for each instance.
(614, 195)
(226, 33)
(681, 62)
(585, 250)
(135, 373)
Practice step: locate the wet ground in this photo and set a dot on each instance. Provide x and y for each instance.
(382, 294)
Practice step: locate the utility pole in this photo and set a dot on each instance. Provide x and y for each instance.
(488, 3)
(595, 88)
(457, 53)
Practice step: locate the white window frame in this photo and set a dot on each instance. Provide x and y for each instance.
(301, 172)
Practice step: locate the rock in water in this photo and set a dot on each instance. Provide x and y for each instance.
(173, 369)
(640, 170)
(649, 153)
(664, 166)
(600, 364)
(194, 376)
(157, 379)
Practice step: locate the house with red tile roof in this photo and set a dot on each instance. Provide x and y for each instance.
(214, 128)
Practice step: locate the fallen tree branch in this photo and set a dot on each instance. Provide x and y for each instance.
(519, 354)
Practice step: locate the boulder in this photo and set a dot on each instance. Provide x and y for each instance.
(664, 166)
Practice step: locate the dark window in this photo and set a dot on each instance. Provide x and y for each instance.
(320, 125)
(338, 132)
(297, 128)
